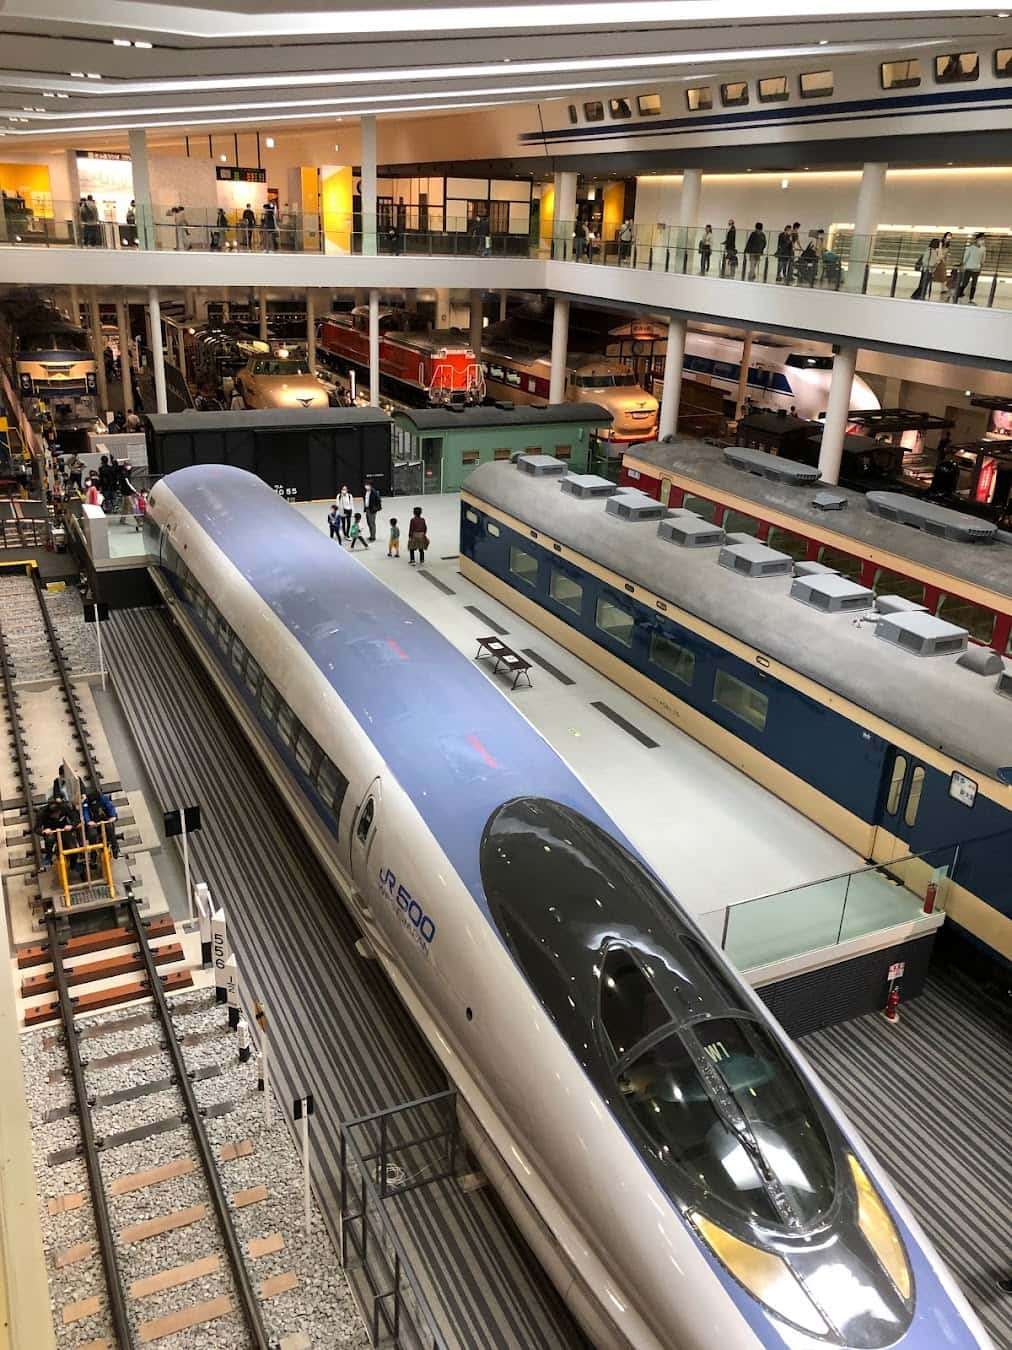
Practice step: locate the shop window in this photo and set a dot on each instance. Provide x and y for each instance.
(914, 797)
(524, 565)
(563, 451)
(1003, 64)
(773, 89)
(741, 699)
(786, 541)
(617, 622)
(672, 658)
(738, 522)
(649, 104)
(900, 74)
(631, 1008)
(573, 115)
(734, 94)
(502, 452)
(594, 112)
(566, 591)
(469, 457)
(957, 68)
(896, 784)
(700, 99)
(844, 563)
(620, 108)
(893, 583)
(816, 83)
(700, 506)
(976, 619)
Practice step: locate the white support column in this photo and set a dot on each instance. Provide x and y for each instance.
(374, 349)
(866, 222)
(75, 305)
(837, 408)
(367, 128)
(688, 217)
(564, 214)
(262, 307)
(671, 391)
(502, 305)
(560, 345)
(157, 350)
(98, 349)
(123, 324)
(311, 330)
(138, 143)
(746, 361)
(477, 323)
(442, 307)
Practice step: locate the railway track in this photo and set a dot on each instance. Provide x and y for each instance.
(160, 1098)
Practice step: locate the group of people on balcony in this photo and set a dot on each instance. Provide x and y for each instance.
(955, 279)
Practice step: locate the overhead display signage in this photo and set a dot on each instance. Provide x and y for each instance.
(227, 174)
(101, 154)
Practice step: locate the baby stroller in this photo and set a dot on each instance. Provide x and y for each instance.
(831, 270)
(808, 262)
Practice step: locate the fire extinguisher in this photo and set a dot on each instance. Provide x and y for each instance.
(891, 1010)
(929, 897)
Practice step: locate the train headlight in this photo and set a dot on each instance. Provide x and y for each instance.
(879, 1230)
(765, 1276)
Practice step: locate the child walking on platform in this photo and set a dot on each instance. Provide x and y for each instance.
(394, 546)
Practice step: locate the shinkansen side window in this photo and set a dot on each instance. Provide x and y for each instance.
(816, 84)
(976, 619)
(699, 99)
(672, 658)
(252, 676)
(286, 720)
(914, 797)
(896, 784)
(773, 89)
(573, 115)
(594, 111)
(617, 622)
(238, 656)
(649, 104)
(268, 699)
(957, 68)
(737, 697)
(1003, 64)
(900, 74)
(565, 590)
(306, 751)
(331, 784)
(893, 583)
(524, 565)
(630, 1007)
(620, 108)
(734, 94)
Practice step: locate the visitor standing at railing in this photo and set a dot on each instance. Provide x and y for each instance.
(705, 250)
(249, 224)
(973, 260)
(795, 251)
(755, 247)
(579, 241)
(729, 263)
(785, 253)
(625, 238)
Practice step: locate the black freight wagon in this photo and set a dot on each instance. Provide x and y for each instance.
(305, 454)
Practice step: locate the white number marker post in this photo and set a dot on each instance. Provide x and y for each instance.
(302, 1109)
(220, 952)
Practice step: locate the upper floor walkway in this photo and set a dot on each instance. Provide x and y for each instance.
(846, 295)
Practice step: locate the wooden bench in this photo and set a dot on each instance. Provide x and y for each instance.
(506, 657)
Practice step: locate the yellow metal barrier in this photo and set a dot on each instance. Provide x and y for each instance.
(97, 860)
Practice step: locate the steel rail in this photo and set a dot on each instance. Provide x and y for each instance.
(243, 1283)
(68, 687)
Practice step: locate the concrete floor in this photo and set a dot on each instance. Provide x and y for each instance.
(717, 838)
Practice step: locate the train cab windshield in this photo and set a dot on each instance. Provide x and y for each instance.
(699, 1085)
(619, 380)
(52, 340)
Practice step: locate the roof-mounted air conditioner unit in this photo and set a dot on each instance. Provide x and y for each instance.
(922, 634)
(931, 518)
(756, 560)
(690, 532)
(765, 465)
(832, 594)
(587, 485)
(541, 466)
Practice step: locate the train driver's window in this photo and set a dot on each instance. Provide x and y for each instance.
(896, 784)
(734, 94)
(700, 506)
(1003, 64)
(739, 522)
(785, 541)
(957, 68)
(893, 583)
(900, 74)
(914, 797)
(566, 591)
(617, 622)
(976, 619)
(844, 563)
(630, 1007)
(524, 565)
(700, 99)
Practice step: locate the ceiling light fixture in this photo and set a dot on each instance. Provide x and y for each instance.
(823, 42)
(63, 95)
(122, 42)
(145, 45)
(94, 75)
(269, 142)
(223, 158)
(77, 74)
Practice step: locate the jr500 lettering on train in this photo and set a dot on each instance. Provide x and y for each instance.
(412, 915)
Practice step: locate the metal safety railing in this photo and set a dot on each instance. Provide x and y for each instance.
(385, 1156)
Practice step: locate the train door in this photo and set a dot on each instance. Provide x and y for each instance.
(900, 806)
(364, 829)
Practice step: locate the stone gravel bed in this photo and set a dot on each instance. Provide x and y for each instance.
(27, 640)
(320, 1308)
(77, 638)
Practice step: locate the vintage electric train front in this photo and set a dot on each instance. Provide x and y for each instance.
(665, 1149)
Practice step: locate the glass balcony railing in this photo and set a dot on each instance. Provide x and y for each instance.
(907, 266)
(828, 913)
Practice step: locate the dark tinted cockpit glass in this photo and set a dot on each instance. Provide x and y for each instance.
(630, 1006)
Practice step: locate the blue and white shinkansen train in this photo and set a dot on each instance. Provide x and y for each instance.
(669, 1155)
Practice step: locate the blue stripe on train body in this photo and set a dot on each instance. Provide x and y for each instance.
(823, 748)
